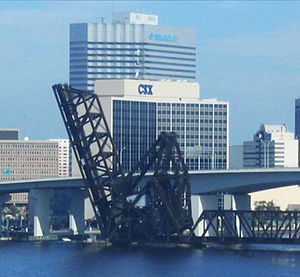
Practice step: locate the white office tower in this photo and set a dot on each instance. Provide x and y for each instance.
(137, 111)
(64, 157)
(272, 146)
(133, 46)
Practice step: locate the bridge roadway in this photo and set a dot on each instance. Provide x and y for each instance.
(202, 182)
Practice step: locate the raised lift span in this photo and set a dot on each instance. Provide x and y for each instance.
(127, 209)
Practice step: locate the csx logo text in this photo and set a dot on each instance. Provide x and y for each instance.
(145, 89)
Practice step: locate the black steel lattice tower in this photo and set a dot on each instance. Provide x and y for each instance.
(165, 214)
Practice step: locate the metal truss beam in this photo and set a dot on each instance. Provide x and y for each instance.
(166, 211)
(93, 146)
(250, 225)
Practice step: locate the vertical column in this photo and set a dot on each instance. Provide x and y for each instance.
(199, 204)
(39, 210)
(229, 221)
(243, 203)
(76, 214)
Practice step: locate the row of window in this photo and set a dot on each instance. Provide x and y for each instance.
(134, 50)
(130, 135)
(95, 43)
(109, 68)
(22, 145)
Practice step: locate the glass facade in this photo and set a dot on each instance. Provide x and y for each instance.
(202, 131)
(134, 129)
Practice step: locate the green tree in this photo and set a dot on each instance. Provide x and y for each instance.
(266, 209)
(265, 206)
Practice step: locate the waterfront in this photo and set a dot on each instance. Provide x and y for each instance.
(87, 259)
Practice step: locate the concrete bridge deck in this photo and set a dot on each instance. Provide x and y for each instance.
(202, 182)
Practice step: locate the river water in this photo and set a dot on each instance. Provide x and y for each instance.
(88, 260)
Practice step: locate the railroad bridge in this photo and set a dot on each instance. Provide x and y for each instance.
(157, 200)
(235, 221)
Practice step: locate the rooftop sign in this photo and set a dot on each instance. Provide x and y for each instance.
(171, 38)
(145, 89)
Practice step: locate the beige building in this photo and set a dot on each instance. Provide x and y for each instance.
(64, 157)
(25, 159)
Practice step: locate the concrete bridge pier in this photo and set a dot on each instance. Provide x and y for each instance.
(43, 203)
(199, 204)
(39, 210)
(232, 226)
(77, 208)
(236, 202)
(242, 202)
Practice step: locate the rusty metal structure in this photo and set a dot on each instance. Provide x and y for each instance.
(127, 207)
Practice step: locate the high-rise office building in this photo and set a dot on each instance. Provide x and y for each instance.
(133, 46)
(137, 111)
(272, 146)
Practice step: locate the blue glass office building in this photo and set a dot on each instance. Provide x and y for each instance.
(133, 46)
(136, 118)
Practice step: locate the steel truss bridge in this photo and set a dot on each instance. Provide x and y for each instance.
(115, 197)
(165, 214)
(254, 226)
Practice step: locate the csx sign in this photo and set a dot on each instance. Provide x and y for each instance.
(145, 89)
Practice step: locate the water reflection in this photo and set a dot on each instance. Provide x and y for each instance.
(83, 259)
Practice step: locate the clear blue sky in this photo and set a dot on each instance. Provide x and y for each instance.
(248, 53)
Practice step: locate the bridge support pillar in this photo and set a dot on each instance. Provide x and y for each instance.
(200, 203)
(43, 201)
(77, 207)
(232, 226)
(229, 221)
(39, 209)
(243, 203)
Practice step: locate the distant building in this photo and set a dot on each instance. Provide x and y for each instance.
(293, 207)
(137, 111)
(297, 124)
(272, 146)
(297, 118)
(25, 159)
(9, 134)
(64, 157)
(236, 157)
(133, 46)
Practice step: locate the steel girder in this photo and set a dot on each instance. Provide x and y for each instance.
(166, 212)
(93, 146)
(250, 225)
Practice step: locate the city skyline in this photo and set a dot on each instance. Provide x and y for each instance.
(247, 54)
